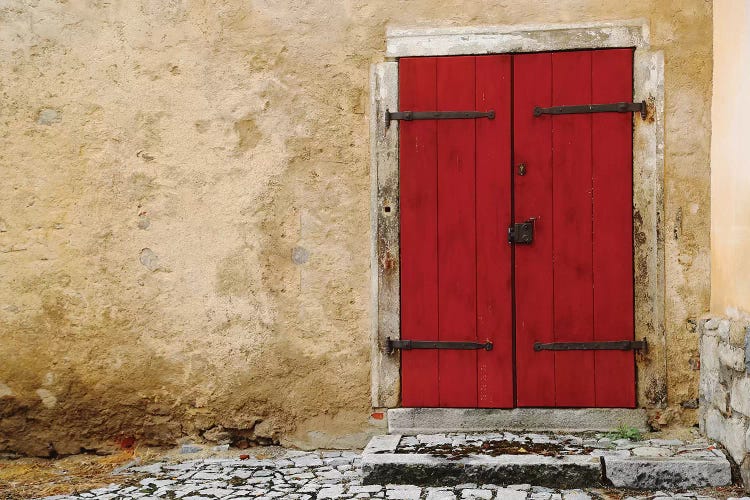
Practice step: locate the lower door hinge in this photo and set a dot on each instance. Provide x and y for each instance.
(616, 345)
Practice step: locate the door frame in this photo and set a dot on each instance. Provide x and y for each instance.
(648, 180)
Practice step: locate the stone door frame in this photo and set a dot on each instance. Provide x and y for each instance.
(648, 180)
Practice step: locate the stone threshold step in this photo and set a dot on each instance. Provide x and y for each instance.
(559, 462)
(432, 420)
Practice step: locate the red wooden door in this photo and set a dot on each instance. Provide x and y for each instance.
(455, 208)
(461, 189)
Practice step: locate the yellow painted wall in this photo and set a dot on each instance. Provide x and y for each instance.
(730, 160)
(184, 211)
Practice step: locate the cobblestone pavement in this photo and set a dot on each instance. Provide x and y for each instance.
(315, 475)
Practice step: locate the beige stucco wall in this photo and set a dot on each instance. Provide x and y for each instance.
(184, 225)
(730, 163)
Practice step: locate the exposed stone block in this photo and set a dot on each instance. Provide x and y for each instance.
(714, 425)
(724, 327)
(731, 357)
(734, 437)
(709, 354)
(713, 391)
(740, 397)
(737, 333)
(711, 324)
(745, 472)
(667, 473)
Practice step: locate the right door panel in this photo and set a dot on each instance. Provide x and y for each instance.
(574, 282)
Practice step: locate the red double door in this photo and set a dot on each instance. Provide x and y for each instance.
(464, 182)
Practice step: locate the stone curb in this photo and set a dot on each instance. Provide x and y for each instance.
(382, 465)
(425, 470)
(667, 473)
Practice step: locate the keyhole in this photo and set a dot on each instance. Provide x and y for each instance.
(522, 169)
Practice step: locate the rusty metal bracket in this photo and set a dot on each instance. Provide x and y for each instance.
(616, 345)
(616, 107)
(408, 345)
(436, 115)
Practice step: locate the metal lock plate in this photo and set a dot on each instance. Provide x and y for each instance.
(521, 233)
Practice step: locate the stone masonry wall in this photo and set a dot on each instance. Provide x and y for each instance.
(725, 387)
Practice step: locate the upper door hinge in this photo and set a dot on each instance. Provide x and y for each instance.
(408, 345)
(436, 115)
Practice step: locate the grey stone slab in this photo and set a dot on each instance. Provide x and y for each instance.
(667, 473)
(442, 495)
(651, 451)
(476, 493)
(403, 492)
(511, 494)
(666, 442)
(426, 470)
(442, 420)
(383, 444)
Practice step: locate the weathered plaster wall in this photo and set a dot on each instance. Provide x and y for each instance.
(730, 166)
(184, 227)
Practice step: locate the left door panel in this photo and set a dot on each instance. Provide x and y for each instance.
(455, 184)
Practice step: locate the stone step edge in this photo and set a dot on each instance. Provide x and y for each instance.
(577, 471)
(381, 465)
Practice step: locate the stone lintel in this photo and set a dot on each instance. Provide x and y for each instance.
(410, 42)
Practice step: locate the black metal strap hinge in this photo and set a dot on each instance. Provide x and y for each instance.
(617, 345)
(616, 107)
(407, 345)
(436, 115)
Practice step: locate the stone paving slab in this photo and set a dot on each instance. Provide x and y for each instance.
(556, 461)
(320, 475)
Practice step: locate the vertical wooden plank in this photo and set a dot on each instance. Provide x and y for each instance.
(612, 142)
(572, 234)
(456, 232)
(419, 266)
(532, 145)
(494, 301)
